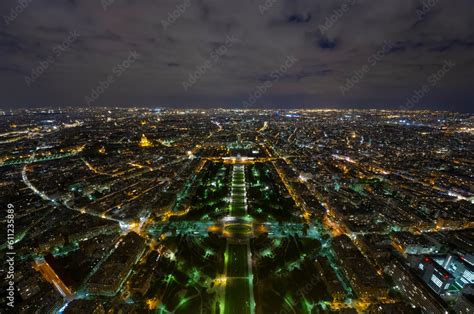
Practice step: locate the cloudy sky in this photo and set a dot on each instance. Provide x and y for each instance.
(261, 53)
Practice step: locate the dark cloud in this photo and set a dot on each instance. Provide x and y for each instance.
(108, 35)
(453, 43)
(10, 69)
(325, 43)
(299, 18)
(332, 40)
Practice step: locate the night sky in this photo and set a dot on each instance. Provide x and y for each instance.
(241, 53)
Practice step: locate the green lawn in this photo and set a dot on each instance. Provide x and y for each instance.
(237, 298)
(237, 263)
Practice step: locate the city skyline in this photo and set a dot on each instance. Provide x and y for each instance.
(225, 211)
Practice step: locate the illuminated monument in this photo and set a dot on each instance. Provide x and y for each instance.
(144, 142)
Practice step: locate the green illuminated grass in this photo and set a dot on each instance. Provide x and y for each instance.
(238, 266)
(237, 299)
